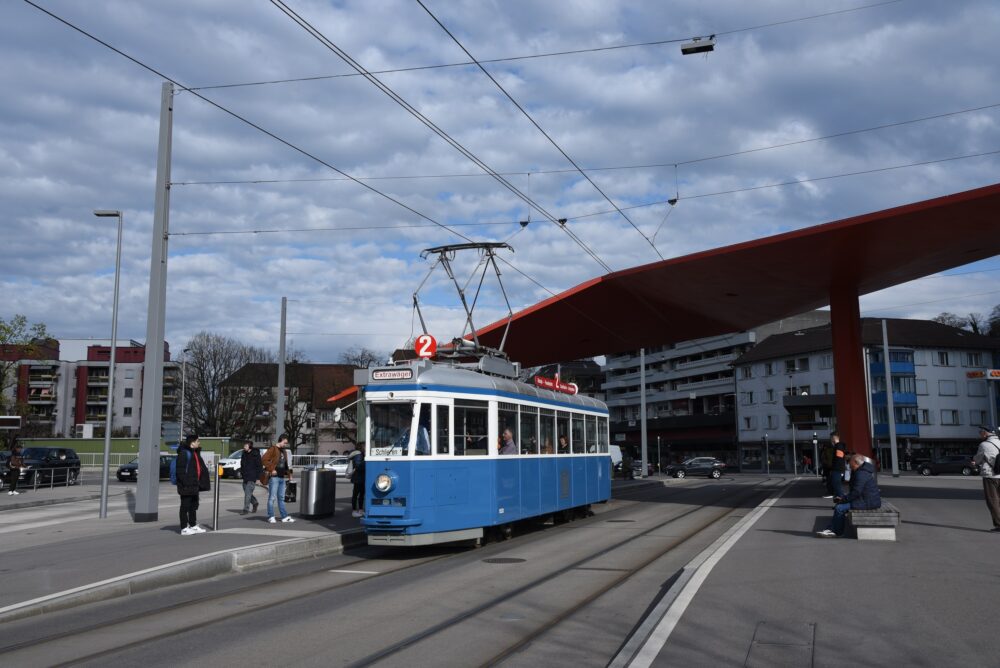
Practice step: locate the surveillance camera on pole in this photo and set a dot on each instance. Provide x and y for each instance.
(698, 45)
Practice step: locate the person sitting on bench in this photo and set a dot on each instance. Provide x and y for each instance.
(864, 495)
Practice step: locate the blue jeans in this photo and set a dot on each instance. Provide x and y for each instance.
(837, 524)
(276, 488)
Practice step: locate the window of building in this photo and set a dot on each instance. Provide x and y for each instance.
(947, 388)
(977, 388)
(826, 388)
(803, 364)
(790, 366)
(925, 416)
(128, 392)
(769, 396)
(942, 358)
(905, 356)
(749, 422)
(973, 359)
(978, 417)
(746, 371)
(746, 398)
(921, 386)
(826, 361)
(772, 422)
(768, 368)
(127, 411)
(950, 417)
(920, 357)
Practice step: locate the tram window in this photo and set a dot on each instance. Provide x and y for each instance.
(507, 420)
(576, 435)
(562, 431)
(423, 444)
(529, 430)
(591, 422)
(602, 434)
(471, 427)
(547, 429)
(390, 428)
(443, 430)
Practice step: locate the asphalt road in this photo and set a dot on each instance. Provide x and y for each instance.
(556, 594)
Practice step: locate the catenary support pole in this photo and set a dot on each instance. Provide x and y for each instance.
(109, 420)
(148, 480)
(890, 405)
(642, 410)
(279, 410)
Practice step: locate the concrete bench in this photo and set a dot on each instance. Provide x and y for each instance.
(878, 524)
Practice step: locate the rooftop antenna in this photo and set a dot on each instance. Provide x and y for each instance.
(461, 347)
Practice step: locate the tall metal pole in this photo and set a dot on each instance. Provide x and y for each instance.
(184, 368)
(795, 457)
(148, 485)
(642, 409)
(767, 454)
(815, 454)
(108, 424)
(279, 413)
(890, 405)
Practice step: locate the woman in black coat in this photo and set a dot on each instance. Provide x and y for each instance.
(192, 478)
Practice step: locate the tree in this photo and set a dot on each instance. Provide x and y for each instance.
(211, 410)
(977, 323)
(18, 340)
(362, 357)
(298, 415)
(993, 322)
(952, 320)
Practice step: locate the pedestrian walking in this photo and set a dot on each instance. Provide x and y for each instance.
(14, 464)
(277, 471)
(356, 473)
(988, 459)
(835, 486)
(192, 478)
(806, 464)
(251, 470)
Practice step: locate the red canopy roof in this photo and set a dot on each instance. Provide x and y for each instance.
(738, 287)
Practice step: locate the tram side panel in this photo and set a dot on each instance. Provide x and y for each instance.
(531, 486)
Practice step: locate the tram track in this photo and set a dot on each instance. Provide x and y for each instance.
(547, 625)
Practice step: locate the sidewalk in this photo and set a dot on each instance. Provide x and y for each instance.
(781, 596)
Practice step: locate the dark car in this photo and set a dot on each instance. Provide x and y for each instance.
(130, 471)
(949, 464)
(44, 465)
(709, 466)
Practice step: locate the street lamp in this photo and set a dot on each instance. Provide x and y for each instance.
(184, 361)
(105, 469)
(767, 454)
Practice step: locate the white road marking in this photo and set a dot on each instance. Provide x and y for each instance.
(354, 572)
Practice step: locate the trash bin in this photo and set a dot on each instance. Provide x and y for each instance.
(318, 492)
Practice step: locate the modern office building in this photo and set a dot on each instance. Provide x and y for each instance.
(690, 392)
(940, 392)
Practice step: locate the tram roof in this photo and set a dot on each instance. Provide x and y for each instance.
(738, 287)
(428, 374)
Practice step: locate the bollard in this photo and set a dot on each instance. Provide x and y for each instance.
(215, 502)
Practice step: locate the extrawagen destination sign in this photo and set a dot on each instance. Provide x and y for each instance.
(392, 374)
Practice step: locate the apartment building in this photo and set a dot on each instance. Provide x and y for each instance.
(940, 391)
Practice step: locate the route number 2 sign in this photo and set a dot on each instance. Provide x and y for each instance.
(426, 346)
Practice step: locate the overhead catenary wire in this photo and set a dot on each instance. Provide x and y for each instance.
(551, 54)
(655, 165)
(451, 141)
(538, 127)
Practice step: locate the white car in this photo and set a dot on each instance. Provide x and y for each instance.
(231, 464)
(338, 464)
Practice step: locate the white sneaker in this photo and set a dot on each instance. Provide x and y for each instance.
(15, 492)
(271, 520)
(355, 513)
(186, 531)
(828, 497)
(10, 493)
(197, 528)
(287, 518)
(826, 533)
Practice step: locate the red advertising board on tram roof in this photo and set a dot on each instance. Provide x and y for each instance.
(556, 385)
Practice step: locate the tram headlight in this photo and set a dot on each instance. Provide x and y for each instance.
(383, 483)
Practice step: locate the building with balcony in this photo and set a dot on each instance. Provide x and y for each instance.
(690, 392)
(786, 392)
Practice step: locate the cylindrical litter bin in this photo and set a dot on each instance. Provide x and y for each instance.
(318, 492)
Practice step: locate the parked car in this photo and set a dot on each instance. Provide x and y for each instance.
(130, 471)
(709, 466)
(56, 465)
(949, 464)
(231, 464)
(338, 464)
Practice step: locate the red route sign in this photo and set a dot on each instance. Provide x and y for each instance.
(426, 346)
(555, 385)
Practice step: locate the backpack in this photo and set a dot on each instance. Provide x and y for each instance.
(173, 468)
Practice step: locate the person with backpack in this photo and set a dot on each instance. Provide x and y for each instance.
(987, 457)
(356, 474)
(277, 472)
(251, 469)
(191, 477)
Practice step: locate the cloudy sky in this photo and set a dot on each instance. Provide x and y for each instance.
(255, 217)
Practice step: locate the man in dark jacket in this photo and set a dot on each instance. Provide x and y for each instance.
(835, 482)
(250, 470)
(192, 478)
(864, 495)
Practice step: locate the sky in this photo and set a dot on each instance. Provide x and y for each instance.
(332, 197)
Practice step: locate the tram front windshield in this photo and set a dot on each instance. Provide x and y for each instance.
(390, 429)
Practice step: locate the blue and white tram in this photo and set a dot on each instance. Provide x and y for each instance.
(435, 469)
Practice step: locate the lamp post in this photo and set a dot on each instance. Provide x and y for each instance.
(815, 454)
(105, 468)
(184, 362)
(767, 454)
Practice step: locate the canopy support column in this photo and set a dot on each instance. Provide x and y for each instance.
(849, 370)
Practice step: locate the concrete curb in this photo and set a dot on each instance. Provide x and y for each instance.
(51, 502)
(194, 568)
